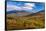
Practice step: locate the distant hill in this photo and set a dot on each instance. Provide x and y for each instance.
(14, 11)
(19, 13)
(10, 12)
(24, 13)
(38, 13)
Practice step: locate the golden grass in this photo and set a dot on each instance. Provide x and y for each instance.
(24, 22)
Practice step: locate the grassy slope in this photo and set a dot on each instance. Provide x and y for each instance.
(22, 22)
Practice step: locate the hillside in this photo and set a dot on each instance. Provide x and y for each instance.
(33, 21)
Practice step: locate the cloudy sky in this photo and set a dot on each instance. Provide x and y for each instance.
(29, 7)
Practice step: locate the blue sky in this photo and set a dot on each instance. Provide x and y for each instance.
(29, 7)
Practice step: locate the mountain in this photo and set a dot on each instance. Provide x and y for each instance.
(24, 13)
(38, 13)
(14, 11)
(10, 12)
(19, 13)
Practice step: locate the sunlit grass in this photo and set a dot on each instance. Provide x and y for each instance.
(22, 22)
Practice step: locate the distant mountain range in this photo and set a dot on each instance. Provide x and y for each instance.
(23, 13)
(14, 11)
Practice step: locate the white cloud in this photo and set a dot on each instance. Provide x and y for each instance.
(10, 7)
(27, 6)
(13, 7)
(18, 8)
(30, 4)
